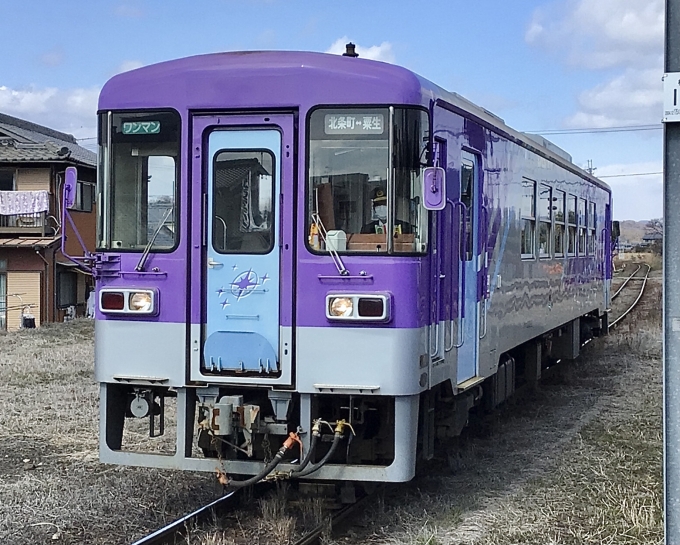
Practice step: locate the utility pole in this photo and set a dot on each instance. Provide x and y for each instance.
(590, 168)
(671, 274)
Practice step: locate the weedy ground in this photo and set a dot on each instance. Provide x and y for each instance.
(52, 487)
(579, 460)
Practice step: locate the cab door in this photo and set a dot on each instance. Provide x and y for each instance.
(247, 168)
(472, 269)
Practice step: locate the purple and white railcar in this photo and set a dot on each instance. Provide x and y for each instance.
(293, 239)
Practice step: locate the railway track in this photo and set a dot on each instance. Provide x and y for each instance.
(625, 282)
(175, 532)
(643, 278)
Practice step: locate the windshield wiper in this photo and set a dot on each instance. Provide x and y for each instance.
(147, 248)
(342, 270)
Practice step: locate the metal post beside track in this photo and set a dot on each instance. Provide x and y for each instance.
(671, 274)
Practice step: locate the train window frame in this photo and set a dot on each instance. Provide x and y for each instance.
(592, 226)
(528, 219)
(252, 228)
(582, 211)
(467, 178)
(572, 225)
(545, 219)
(392, 246)
(103, 188)
(560, 200)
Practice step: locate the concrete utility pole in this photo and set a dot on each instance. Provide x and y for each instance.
(590, 168)
(671, 274)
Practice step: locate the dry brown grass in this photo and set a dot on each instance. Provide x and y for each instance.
(49, 416)
(579, 461)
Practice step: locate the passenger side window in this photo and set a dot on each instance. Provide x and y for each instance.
(572, 225)
(582, 250)
(467, 188)
(559, 207)
(528, 218)
(545, 205)
(592, 240)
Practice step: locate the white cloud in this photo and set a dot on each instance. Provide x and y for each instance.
(605, 34)
(126, 66)
(382, 52)
(635, 197)
(68, 110)
(631, 98)
(601, 33)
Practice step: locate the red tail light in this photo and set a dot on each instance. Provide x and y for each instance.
(371, 308)
(113, 300)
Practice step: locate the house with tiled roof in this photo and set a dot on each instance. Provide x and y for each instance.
(37, 283)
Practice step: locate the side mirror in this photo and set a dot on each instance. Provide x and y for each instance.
(616, 230)
(434, 188)
(70, 184)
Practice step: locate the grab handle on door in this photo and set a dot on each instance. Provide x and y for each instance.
(212, 263)
(460, 340)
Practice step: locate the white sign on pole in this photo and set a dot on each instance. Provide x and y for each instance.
(671, 97)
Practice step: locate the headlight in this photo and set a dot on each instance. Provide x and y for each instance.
(358, 307)
(141, 302)
(341, 307)
(131, 301)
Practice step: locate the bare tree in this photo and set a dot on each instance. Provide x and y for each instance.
(654, 235)
(654, 227)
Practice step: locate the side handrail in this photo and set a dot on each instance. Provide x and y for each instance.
(436, 341)
(460, 340)
(483, 269)
(224, 231)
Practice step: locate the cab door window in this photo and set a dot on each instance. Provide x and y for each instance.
(243, 192)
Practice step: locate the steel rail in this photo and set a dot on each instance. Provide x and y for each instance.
(169, 534)
(626, 282)
(631, 307)
(314, 536)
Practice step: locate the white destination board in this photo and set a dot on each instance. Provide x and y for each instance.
(671, 97)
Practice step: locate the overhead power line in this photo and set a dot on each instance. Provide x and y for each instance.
(636, 174)
(597, 130)
(582, 130)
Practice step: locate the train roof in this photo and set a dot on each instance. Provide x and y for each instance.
(301, 79)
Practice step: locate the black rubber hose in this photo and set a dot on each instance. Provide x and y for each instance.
(331, 451)
(262, 474)
(308, 458)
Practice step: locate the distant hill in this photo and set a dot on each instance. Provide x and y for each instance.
(633, 231)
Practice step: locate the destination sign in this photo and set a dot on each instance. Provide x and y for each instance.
(354, 123)
(141, 127)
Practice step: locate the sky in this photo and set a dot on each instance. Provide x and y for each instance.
(584, 73)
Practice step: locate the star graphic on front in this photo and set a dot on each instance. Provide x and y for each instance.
(242, 284)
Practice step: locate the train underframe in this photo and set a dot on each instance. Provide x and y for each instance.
(238, 431)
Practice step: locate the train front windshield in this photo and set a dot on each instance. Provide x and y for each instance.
(364, 180)
(139, 162)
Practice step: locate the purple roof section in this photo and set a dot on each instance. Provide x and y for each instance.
(246, 79)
